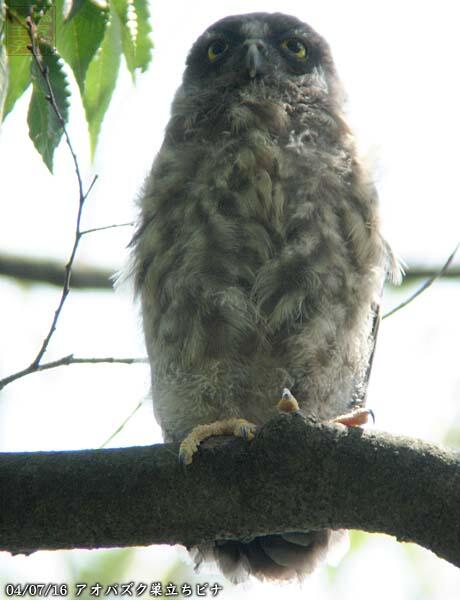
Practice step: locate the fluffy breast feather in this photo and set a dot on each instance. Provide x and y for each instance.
(258, 258)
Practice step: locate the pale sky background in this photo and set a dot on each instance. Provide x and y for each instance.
(399, 63)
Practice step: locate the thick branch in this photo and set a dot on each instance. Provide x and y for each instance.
(48, 271)
(52, 272)
(293, 476)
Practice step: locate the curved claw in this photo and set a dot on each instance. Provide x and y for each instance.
(288, 404)
(245, 431)
(186, 453)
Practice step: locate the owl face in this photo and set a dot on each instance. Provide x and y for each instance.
(244, 49)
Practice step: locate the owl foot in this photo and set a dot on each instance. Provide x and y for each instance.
(237, 427)
(288, 404)
(355, 418)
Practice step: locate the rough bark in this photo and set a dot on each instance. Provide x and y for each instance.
(294, 475)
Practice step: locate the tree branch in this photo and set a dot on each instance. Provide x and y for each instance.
(429, 282)
(65, 361)
(52, 272)
(82, 195)
(295, 475)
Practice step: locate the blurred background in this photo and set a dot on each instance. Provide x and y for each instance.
(399, 64)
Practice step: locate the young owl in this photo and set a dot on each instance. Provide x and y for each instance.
(258, 256)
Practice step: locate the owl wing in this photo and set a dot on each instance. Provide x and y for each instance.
(360, 397)
(394, 272)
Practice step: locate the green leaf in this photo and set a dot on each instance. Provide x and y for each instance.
(3, 62)
(18, 81)
(45, 128)
(101, 79)
(74, 8)
(79, 38)
(144, 43)
(17, 40)
(135, 33)
(17, 36)
(3, 80)
(123, 10)
(34, 8)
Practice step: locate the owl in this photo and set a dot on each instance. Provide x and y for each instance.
(258, 257)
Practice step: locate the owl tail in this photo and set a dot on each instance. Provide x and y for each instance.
(271, 557)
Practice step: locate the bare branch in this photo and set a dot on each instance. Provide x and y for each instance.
(294, 475)
(95, 229)
(424, 272)
(425, 286)
(66, 361)
(125, 422)
(66, 286)
(82, 195)
(53, 273)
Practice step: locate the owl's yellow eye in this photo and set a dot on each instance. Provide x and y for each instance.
(295, 47)
(216, 49)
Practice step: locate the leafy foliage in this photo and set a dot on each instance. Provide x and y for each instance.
(17, 78)
(45, 127)
(89, 40)
(3, 60)
(143, 45)
(78, 38)
(101, 79)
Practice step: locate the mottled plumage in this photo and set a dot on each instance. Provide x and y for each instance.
(258, 256)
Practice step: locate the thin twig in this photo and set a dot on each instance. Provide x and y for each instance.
(425, 286)
(68, 360)
(82, 195)
(35, 364)
(66, 286)
(122, 425)
(94, 229)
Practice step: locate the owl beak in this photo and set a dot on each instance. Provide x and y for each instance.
(254, 60)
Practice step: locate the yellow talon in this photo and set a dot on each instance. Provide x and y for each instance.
(355, 418)
(237, 427)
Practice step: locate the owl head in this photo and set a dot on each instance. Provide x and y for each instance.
(258, 69)
(252, 49)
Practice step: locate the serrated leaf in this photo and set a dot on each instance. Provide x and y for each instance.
(125, 16)
(16, 31)
(45, 129)
(18, 81)
(78, 39)
(144, 43)
(135, 33)
(101, 79)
